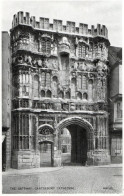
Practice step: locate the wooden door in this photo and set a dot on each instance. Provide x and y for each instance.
(45, 154)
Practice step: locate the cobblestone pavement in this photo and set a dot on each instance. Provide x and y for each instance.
(69, 179)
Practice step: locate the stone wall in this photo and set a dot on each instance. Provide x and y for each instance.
(25, 160)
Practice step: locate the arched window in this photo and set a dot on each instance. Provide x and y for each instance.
(61, 94)
(90, 89)
(48, 82)
(81, 50)
(73, 87)
(23, 90)
(46, 46)
(84, 82)
(48, 93)
(55, 80)
(35, 86)
(85, 97)
(43, 79)
(79, 82)
(90, 50)
(68, 95)
(42, 93)
(79, 95)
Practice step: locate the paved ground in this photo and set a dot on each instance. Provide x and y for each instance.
(69, 179)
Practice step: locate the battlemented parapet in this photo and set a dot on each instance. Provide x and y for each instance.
(57, 25)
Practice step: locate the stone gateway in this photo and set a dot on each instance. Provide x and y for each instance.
(59, 98)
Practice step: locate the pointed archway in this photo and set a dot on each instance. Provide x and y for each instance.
(46, 145)
(82, 139)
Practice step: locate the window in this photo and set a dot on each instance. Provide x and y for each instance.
(35, 86)
(46, 46)
(90, 50)
(24, 132)
(84, 82)
(42, 93)
(81, 50)
(85, 96)
(48, 79)
(55, 80)
(73, 87)
(90, 90)
(119, 110)
(48, 93)
(79, 95)
(61, 94)
(32, 133)
(64, 148)
(79, 82)
(45, 79)
(116, 146)
(67, 95)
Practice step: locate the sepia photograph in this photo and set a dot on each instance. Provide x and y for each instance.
(61, 97)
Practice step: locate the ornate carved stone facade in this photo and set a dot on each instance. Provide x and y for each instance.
(59, 81)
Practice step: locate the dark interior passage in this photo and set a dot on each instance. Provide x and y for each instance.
(4, 155)
(78, 154)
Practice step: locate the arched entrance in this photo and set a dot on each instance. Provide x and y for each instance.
(46, 150)
(45, 140)
(82, 140)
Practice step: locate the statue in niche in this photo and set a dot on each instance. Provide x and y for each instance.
(76, 41)
(83, 107)
(60, 87)
(19, 59)
(91, 67)
(43, 106)
(65, 41)
(54, 49)
(72, 64)
(86, 57)
(65, 107)
(46, 63)
(99, 66)
(80, 66)
(75, 66)
(96, 107)
(29, 60)
(39, 62)
(83, 66)
(34, 62)
(105, 68)
(54, 65)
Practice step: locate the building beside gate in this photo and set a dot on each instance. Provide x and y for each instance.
(59, 84)
(6, 101)
(115, 61)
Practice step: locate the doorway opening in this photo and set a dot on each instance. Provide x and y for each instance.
(46, 150)
(74, 145)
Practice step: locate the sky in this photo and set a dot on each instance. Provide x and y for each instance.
(91, 12)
